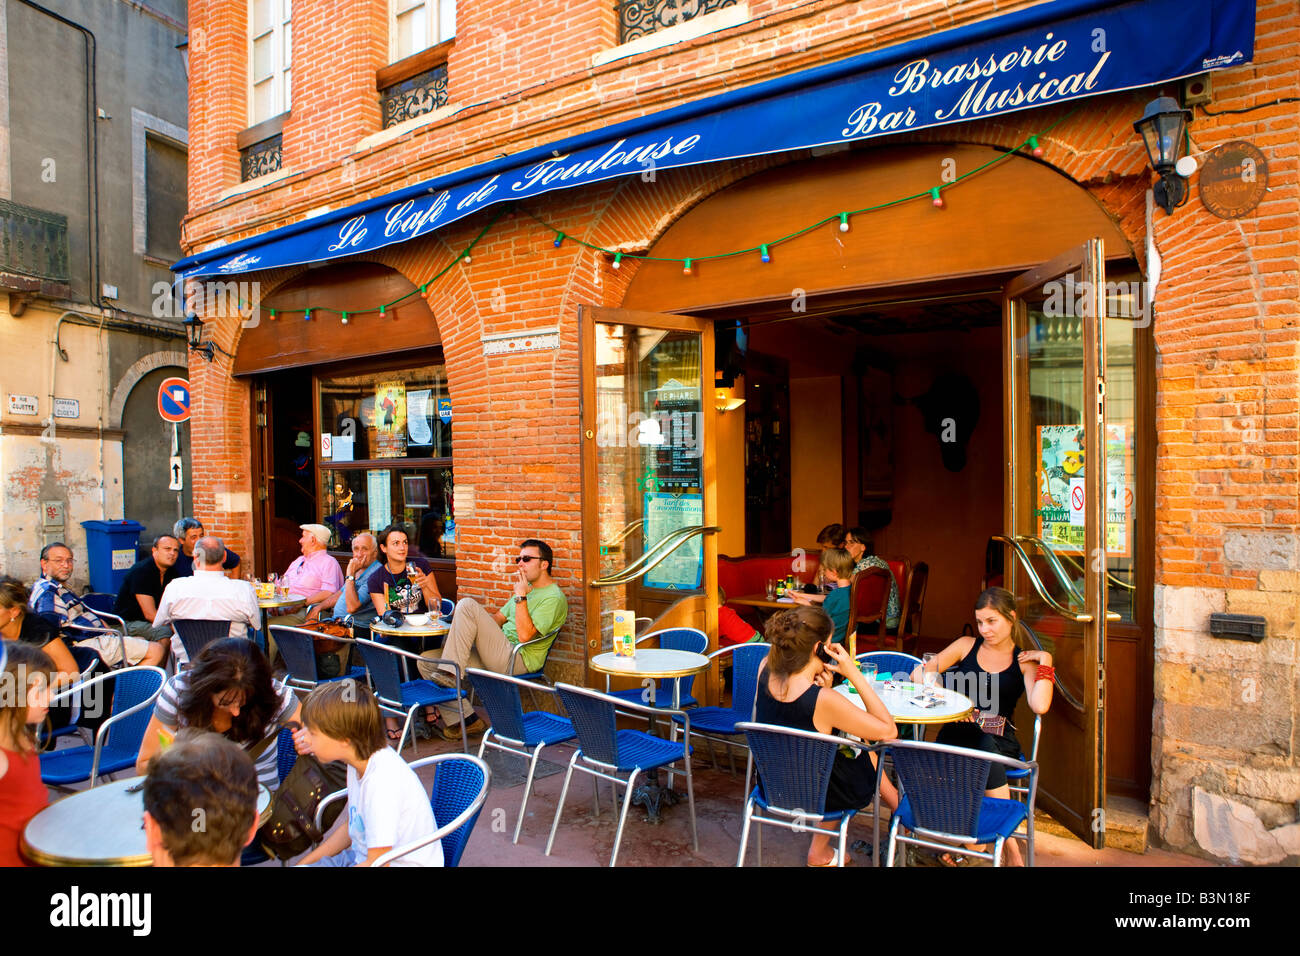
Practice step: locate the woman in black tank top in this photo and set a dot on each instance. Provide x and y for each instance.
(794, 691)
(994, 672)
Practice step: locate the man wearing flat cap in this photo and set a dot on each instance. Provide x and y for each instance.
(316, 575)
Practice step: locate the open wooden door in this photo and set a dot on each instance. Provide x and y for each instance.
(1057, 458)
(648, 471)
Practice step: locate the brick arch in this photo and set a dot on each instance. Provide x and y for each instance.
(131, 377)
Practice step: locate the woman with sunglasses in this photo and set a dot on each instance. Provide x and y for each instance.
(228, 691)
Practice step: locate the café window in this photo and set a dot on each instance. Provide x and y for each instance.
(389, 456)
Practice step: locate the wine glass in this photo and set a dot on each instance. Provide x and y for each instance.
(929, 676)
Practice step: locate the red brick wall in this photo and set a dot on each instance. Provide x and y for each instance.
(1225, 328)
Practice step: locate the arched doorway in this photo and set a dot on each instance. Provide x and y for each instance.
(351, 419)
(889, 383)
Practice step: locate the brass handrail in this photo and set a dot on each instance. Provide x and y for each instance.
(1109, 576)
(655, 556)
(622, 535)
(1079, 617)
(1055, 560)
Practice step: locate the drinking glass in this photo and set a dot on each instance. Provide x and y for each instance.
(771, 589)
(930, 677)
(869, 672)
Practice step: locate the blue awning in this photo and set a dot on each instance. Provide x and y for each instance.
(1051, 53)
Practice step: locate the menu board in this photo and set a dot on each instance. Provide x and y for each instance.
(379, 497)
(675, 460)
(664, 514)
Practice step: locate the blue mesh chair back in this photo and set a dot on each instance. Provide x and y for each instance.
(891, 662)
(286, 755)
(446, 607)
(680, 639)
(100, 601)
(793, 771)
(945, 790)
(298, 651)
(455, 786)
(745, 663)
(86, 658)
(504, 706)
(196, 635)
(385, 672)
(593, 721)
(129, 689)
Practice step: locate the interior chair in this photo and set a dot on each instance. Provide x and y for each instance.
(868, 604)
(909, 624)
(460, 788)
(673, 639)
(514, 731)
(118, 739)
(298, 651)
(605, 752)
(719, 723)
(943, 805)
(794, 771)
(403, 699)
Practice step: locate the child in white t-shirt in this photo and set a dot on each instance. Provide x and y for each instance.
(387, 804)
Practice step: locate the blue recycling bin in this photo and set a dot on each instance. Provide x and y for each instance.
(110, 552)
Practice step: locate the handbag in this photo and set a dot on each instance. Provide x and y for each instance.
(291, 829)
(992, 724)
(331, 653)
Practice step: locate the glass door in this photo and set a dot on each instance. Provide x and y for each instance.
(1060, 456)
(648, 471)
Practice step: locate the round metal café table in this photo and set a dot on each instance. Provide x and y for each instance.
(102, 826)
(898, 701)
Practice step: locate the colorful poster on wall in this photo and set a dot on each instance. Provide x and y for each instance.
(1060, 476)
(664, 514)
(390, 420)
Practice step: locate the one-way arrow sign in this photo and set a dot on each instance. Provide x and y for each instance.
(177, 474)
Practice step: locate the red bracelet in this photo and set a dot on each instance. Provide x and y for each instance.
(1046, 672)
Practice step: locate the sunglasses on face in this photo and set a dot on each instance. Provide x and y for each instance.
(525, 558)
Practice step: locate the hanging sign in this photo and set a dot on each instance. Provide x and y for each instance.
(175, 474)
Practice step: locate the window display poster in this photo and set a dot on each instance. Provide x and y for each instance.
(379, 497)
(1061, 467)
(419, 422)
(390, 420)
(664, 514)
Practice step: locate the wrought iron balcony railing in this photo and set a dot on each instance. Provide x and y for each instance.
(639, 18)
(33, 242)
(422, 93)
(260, 158)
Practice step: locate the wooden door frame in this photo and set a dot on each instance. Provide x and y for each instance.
(589, 316)
(1089, 261)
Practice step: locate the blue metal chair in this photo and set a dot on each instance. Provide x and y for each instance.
(540, 673)
(891, 662)
(460, 788)
(298, 649)
(943, 805)
(88, 663)
(196, 635)
(512, 730)
(118, 739)
(100, 602)
(76, 633)
(719, 723)
(286, 754)
(605, 751)
(1017, 774)
(446, 608)
(403, 698)
(673, 639)
(794, 770)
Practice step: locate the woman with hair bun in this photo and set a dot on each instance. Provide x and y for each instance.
(994, 672)
(794, 691)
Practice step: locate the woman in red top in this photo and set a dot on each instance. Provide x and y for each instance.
(24, 700)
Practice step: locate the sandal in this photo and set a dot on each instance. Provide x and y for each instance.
(834, 861)
(394, 734)
(954, 860)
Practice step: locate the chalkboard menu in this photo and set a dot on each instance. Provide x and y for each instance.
(675, 458)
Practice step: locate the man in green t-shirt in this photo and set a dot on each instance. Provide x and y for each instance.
(480, 638)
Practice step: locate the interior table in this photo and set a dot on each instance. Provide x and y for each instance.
(102, 826)
(650, 664)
